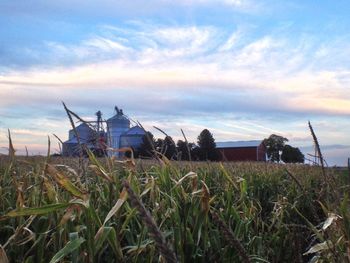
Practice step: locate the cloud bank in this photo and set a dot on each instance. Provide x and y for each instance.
(235, 78)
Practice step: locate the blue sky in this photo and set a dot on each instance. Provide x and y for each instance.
(242, 68)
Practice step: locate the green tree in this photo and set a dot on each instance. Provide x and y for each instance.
(146, 147)
(274, 146)
(183, 150)
(292, 155)
(207, 146)
(195, 153)
(160, 146)
(166, 147)
(169, 148)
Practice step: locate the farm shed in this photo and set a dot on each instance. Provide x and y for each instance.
(242, 150)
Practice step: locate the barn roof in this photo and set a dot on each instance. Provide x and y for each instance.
(238, 144)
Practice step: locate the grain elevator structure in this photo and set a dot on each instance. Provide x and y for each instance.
(102, 136)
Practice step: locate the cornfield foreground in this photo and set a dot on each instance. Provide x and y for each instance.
(104, 210)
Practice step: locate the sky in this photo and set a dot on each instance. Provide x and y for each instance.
(244, 69)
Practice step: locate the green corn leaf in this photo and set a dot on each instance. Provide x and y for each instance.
(109, 234)
(65, 183)
(75, 254)
(244, 188)
(101, 236)
(97, 167)
(70, 247)
(228, 177)
(37, 210)
(122, 197)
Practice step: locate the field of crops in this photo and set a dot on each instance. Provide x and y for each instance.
(104, 210)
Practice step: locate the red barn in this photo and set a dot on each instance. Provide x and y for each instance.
(242, 151)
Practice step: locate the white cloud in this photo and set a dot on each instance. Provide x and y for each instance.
(188, 58)
(197, 70)
(231, 41)
(106, 45)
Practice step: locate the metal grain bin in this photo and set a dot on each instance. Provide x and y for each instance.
(116, 126)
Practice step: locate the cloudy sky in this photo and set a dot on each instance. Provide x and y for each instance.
(241, 68)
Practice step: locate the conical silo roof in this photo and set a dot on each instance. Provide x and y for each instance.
(119, 120)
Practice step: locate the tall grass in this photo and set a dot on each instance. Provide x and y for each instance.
(143, 211)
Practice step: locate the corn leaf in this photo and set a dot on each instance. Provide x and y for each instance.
(331, 217)
(228, 177)
(319, 247)
(122, 197)
(75, 254)
(50, 190)
(11, 148)
(101, 236)
(3, 256)
(97, 167)
(64, 182)
(37, 210)
(109, 234)
(189, 175)
(68, 249)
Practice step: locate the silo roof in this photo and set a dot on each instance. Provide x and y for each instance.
(118, 117)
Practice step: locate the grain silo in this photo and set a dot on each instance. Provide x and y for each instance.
(132, 138)
(86, 137)
(95, 137)
(116, 126)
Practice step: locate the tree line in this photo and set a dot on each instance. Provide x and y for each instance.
(205, 149)
(277, 150)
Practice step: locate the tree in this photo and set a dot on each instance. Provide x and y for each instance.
(159, 144)
(183, 150)
(274, 146)
(166, 147)
(146, 147)
(169, 147)
(207, 146)
(292, 155)
(195, 153)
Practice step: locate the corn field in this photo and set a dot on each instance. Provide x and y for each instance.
(105, 210)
